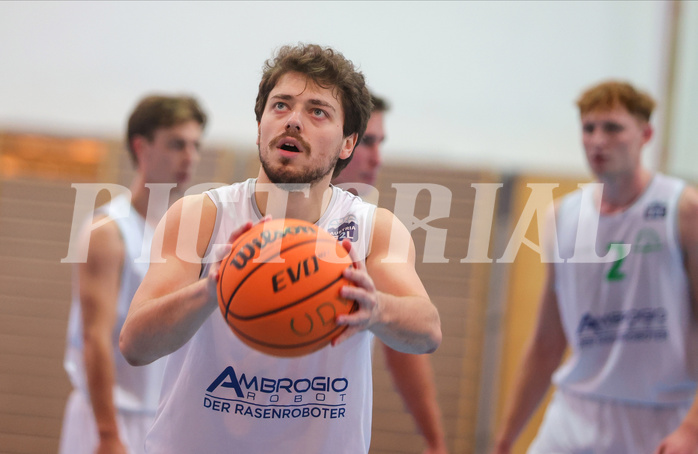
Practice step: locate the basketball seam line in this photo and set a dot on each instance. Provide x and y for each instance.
(291, 304)
(227, 262)
(225, 266)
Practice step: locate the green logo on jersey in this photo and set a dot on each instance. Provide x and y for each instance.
(647, 240)
(615, 273)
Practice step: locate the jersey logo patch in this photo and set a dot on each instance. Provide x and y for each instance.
(655, 210)
(345, 228)
(646, 324)
(252, 396)
(646, 241)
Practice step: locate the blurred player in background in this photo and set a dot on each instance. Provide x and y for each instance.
(412, 374)
(629, 384)
(113, 404)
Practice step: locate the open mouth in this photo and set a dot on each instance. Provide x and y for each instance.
(289, 144)
(289, 147)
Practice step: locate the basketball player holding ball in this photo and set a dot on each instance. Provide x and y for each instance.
(220, 395)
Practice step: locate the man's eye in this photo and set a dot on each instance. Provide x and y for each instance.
(613, 127)
(369, 141)
(318, 112)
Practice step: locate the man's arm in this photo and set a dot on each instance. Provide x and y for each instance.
(685, 438)
(99, 281)
(172, 302)
(542, 356)
(414, 380)
(393, 303)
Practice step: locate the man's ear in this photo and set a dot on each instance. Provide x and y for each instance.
(258, 132)
(348, 145)
(138, 145)
(647, 132)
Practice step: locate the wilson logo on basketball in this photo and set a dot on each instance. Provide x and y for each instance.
(266, 237)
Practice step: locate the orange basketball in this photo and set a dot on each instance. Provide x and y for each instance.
(279, 288)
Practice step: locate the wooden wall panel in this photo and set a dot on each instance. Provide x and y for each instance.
(34, 295)
(459, 292)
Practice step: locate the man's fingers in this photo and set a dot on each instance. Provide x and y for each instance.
(239, 231)
(218, 253)
(360, 278)
(346, 244)
(245, 227)
(357, 294)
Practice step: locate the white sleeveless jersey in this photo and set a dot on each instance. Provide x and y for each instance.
(137, 389)
(221, 396)
(628, 322)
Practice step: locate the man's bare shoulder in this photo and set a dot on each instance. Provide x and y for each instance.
(688, 216)
(104, 245)
(104, 237)
(689, 198)
(386, 223)
(194, 201)
(391, 240)
(188, 227)
(191, 207)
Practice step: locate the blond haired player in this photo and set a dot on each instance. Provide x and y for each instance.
(629, 384)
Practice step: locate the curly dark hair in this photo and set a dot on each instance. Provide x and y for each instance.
(328, 69)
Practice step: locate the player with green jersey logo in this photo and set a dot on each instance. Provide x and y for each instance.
(627, 313)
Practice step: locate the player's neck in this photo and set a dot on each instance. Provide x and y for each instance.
(142, 203)
(307, 203)
(621, 191)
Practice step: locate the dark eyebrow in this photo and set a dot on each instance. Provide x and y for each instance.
(282, 97)
(312, 102)
(321, 103)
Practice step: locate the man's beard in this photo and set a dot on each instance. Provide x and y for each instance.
(284, 175)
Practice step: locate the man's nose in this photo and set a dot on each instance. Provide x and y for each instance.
(375, 155)
(193, 156)
(597, 137)
(294, 121)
